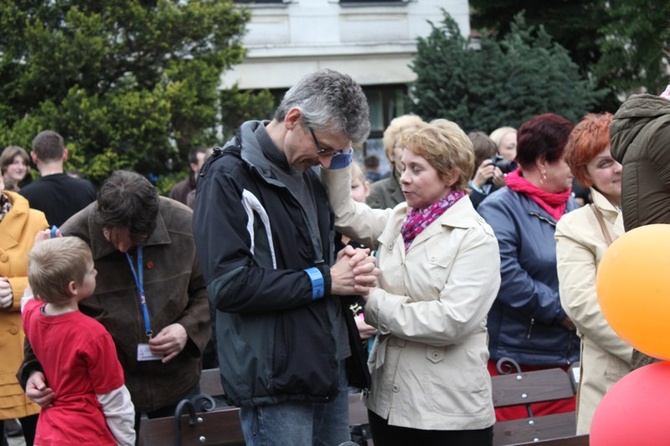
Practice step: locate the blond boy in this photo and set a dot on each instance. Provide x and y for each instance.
(91, 404)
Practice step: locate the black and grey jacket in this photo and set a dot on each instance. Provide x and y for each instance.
(275, 341)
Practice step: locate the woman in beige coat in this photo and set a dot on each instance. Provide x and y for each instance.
(582, 238)
(440, 273)
(18, 226)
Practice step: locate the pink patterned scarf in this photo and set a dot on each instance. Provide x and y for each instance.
(554, 204)
(418, 219)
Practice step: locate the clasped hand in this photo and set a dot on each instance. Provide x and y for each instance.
(354, 272)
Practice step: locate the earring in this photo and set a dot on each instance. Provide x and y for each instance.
(544, 178)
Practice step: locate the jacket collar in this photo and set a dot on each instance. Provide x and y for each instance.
(601, 201)
(607, 209)
(250, 149)
(14, 221)
(100, 247)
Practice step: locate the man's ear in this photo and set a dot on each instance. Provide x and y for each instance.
(65, 155)
(34, 157)
(293, 118)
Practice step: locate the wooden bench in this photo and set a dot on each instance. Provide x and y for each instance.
(221, 426)
(526, 388)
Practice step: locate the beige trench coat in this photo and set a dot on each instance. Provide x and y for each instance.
(429, 361)
(580, 247)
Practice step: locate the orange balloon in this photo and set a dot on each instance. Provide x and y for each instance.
(633, 285)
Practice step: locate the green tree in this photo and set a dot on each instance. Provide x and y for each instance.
(239, 106)
(504, 82)
(128, 83)
(621, 44)
(635, 44)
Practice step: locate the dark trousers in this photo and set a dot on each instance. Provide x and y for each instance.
(385, 435)
(29, 426)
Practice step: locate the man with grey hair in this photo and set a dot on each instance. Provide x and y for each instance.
(264, 235)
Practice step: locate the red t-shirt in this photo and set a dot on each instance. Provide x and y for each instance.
(79, 361)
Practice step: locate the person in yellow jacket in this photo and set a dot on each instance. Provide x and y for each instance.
(18, 227)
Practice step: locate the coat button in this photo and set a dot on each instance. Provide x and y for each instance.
(396, 389)
(4, 257)
(13, 329)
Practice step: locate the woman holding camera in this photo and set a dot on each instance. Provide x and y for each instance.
(491, 168)
(527, 322)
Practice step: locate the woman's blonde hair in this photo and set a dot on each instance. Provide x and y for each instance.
(497, 134)
(446, 147)
(357, 172)
(395, 129)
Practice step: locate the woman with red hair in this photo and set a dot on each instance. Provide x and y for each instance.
(582, 238)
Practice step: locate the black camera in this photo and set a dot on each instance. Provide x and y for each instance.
(505, 166)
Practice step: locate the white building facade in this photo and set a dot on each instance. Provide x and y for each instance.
(372, 41)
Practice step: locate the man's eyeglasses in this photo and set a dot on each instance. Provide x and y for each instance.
(320, 150)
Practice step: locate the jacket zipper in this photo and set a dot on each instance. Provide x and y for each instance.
(542, 217)
(530, 328)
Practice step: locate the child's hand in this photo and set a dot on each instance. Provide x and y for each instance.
(52, 232)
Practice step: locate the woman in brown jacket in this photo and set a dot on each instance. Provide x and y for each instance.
(18, 227)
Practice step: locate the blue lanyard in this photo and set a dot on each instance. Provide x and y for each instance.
(139, 281)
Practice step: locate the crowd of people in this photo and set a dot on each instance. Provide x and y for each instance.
(306, 274)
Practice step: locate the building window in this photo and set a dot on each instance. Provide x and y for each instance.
(386, 102)
(259, 1)
(354, 2)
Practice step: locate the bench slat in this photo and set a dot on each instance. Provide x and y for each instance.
(579, 440)
(529, 429)
(531, 387)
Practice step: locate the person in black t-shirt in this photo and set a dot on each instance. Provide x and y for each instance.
(56, 193)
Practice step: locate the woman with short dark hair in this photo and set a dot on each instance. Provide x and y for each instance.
(527, 322)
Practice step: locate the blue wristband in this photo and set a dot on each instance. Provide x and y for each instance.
(317, 282)
(341, 160)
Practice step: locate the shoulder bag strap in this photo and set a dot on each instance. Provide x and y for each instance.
(601, 221)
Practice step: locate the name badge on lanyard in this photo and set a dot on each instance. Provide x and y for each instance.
(144, 352)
